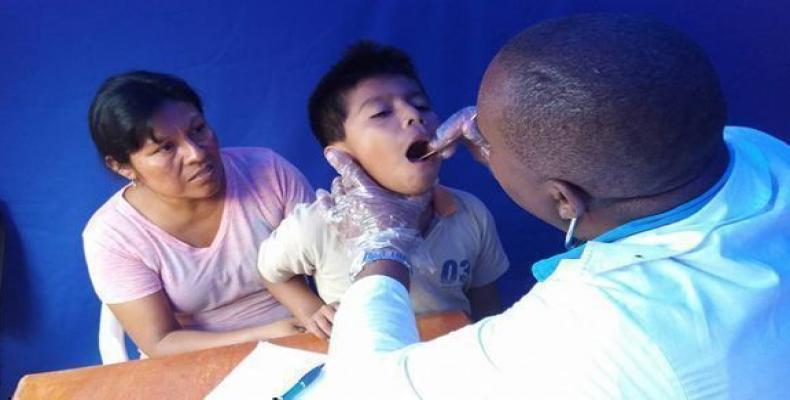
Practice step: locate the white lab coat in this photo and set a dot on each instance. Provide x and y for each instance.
(697, 308)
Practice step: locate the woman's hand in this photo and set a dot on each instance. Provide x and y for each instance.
(320, 323)
(151, 323)
(283, 327)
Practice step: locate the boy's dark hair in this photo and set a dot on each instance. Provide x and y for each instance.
(120, 114)
(363, 60)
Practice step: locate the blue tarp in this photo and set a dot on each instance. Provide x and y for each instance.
(254, 64)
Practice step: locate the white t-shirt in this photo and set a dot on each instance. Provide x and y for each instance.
(697, 308)
(463, 245)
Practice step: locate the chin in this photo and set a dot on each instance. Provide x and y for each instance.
(212, 190)
(412, 190)
(407, 182)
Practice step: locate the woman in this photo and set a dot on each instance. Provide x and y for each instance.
(173, 252)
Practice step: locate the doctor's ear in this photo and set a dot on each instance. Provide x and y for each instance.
(569, 200)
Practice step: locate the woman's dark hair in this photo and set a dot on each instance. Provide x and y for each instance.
(364, 59)
(120, 114)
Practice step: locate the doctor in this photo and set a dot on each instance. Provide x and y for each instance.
(675, 286)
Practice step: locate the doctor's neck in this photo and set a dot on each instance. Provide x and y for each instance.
(604, 214)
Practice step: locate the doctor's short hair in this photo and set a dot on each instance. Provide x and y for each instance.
(620, 106)
(362, 60)
(120, 114)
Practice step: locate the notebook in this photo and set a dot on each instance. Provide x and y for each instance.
(268, 371)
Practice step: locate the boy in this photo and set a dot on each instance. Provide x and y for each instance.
(372, 105)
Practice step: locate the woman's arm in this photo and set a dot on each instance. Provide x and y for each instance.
(151, 324)
(305, 305)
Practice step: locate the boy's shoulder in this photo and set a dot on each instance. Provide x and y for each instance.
(309, 214)
(465, 201)
(306, 224)
(469, 207)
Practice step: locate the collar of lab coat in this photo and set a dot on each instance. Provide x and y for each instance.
(743, 190)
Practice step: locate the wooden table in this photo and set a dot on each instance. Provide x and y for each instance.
(183, 376)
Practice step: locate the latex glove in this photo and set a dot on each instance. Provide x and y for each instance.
(460, 126)
(369, 217)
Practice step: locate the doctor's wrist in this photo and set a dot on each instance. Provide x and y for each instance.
(386, 267)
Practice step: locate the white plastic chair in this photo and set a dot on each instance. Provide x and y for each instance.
(112, 339)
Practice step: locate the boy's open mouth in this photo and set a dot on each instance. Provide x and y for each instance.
(417, 150)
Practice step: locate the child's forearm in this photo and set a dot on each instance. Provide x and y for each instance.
(296, 296)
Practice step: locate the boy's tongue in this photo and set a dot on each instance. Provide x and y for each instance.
(417, 150)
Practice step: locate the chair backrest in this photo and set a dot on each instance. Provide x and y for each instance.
(2, 248)
(112, 339)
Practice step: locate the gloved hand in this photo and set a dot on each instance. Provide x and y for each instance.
(460, 126)
(370, 217)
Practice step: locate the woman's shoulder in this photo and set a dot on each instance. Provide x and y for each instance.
(107, 213)
(114, 221)
(252, 157)
(260, 164)
(265, 168)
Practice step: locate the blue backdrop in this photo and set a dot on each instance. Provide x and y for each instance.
(255, 64)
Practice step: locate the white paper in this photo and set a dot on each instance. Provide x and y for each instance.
(268, 371)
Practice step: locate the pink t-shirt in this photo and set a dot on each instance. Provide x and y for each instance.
(215, 288)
